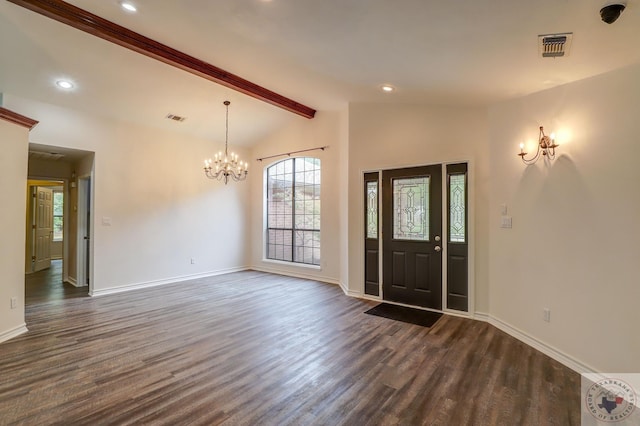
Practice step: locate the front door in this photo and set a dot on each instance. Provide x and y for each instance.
(412, 233)
(43, 227)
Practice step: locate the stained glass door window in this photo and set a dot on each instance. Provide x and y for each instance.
(411, 208)
(372, 209)
(457, 208)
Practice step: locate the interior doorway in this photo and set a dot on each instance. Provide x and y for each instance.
(45, 223)
(49, 231)
(57, 259)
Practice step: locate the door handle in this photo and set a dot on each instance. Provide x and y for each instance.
(437, 238)
(438, 248)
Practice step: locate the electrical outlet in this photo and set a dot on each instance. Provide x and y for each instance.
(14, 302)
(546, 314)
(193, 261)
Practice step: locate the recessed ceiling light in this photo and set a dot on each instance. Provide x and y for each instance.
(387, 88)
(64, 84)
(128, 6)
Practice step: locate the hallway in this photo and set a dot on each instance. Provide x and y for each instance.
(47, 286)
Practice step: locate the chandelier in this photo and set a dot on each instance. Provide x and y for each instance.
(546, 146)
(224, 166)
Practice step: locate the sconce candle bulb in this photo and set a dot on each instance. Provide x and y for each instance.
(546, 145)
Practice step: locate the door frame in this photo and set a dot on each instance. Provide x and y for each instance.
(85, 204)
(470, 232)
(65, 227)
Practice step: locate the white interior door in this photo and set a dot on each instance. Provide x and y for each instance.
(43, 228)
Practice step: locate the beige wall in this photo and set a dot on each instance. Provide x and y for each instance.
(574, 243)
(150, 184)
(385, 136)
(13, 175)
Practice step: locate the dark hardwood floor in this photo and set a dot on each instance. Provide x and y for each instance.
(47, 286)
(252, 348)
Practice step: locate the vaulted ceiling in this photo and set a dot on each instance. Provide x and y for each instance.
(323, 54)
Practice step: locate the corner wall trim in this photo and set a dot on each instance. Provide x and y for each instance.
(552, 352)
(174, 280)
(14, 332)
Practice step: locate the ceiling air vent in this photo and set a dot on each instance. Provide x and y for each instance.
(176, 117)
(554, 45)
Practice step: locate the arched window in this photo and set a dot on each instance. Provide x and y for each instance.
(293, 210)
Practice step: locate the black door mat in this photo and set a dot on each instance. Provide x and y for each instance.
(405, 314)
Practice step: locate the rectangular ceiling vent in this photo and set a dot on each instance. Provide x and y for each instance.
(554, 45)
(176, 117)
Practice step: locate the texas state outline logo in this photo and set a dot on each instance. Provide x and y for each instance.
(610, 400)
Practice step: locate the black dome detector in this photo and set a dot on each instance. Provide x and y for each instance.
(611, 13)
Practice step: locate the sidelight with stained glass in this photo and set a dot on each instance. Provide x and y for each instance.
(457, 208)
(372, 209)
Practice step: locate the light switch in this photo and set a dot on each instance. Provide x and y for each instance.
(506, 222)
(106, 221)
(503, 209)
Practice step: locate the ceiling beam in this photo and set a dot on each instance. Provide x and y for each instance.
(85, 21)
(14, 117)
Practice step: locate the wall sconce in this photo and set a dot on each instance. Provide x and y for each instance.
(546, 146)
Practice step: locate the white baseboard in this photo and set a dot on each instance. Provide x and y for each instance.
(173, 280)
(14, 332)
(563, 358)
(296, 274)
(481, 316)
(73, 282)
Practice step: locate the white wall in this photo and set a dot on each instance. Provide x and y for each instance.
(13, 179)
(151, 185)
(385, 136)
(575, 242)
(300, 133)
